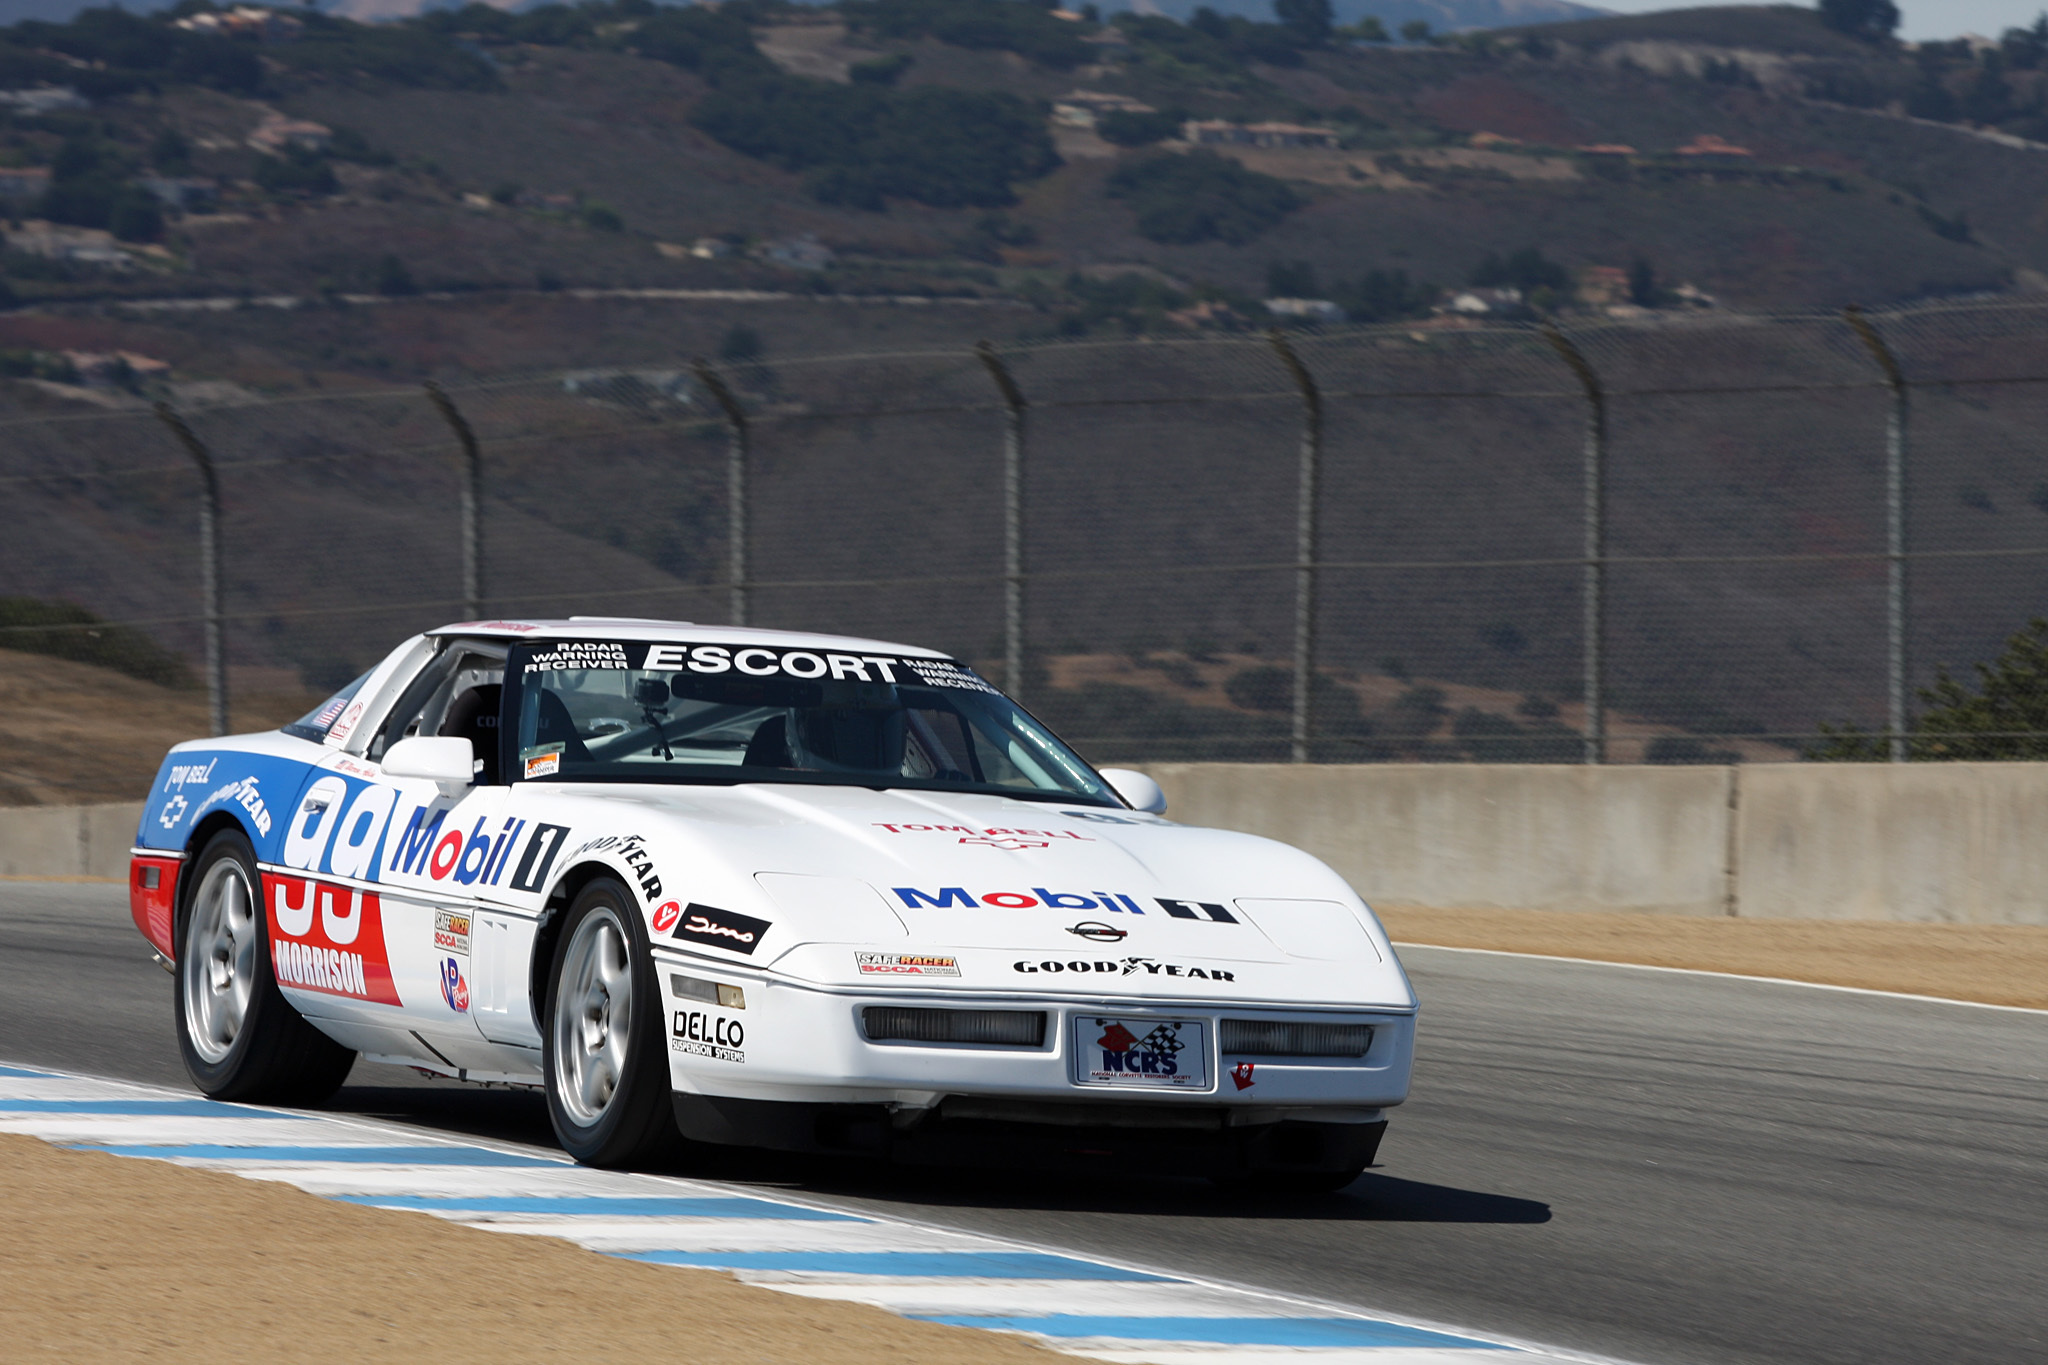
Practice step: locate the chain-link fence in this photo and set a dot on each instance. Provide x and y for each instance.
(1677, 540)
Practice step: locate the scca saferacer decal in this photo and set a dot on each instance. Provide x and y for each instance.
(327, 938)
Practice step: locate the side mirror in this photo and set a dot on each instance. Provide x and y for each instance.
(1138, 791)
(448, 760)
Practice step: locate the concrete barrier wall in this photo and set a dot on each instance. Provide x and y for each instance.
(1956, 842)
(68, 841)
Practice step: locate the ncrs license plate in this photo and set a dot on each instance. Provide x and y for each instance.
(1169, 1054)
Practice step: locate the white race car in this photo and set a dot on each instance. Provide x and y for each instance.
(756, 887)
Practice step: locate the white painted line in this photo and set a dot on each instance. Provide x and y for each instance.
(1730, 976)
(1029, 1298)
(1010, 1303)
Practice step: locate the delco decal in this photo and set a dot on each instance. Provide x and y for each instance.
(947, 897)
(328, 938)
(703, 1034)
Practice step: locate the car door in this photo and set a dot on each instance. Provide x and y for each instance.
(441, 846)
(373, 908)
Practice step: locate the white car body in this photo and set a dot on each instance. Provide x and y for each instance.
(409, 921)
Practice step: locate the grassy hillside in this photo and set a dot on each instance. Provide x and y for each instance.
(592, 147)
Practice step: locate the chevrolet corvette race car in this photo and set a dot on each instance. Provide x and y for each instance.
(754, 887)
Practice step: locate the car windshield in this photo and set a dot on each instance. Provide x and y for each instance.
(605, 710)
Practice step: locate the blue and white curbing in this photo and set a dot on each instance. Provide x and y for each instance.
(1076, 1304)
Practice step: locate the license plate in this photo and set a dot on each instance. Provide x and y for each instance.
(1164, 1054)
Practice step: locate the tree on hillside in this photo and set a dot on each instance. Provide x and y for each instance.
(1860, 18)
(2005, 717)
(1308, 21)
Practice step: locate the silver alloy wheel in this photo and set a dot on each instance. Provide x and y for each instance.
(593, 1016)
(218, 975)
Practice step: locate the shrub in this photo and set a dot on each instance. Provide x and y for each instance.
(939, 146)
(1262, 689)
(1028, 30)
(393, 277)
(1201, 197)
(63, 631)
(1128, 129)
(298, 171)
(880, 71)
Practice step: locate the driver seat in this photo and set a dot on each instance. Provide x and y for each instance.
(474, 716)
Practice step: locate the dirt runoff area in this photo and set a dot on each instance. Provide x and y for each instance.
(1994, 964)
(113, 1259)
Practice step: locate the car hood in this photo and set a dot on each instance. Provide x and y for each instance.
(1014, 886)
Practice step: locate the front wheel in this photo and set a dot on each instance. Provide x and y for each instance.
(607, 1072)
(239, 1036)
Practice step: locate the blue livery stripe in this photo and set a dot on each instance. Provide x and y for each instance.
(212, 1109)
(388, 1156)
(1284, 1332)
(601, 1206)
(22, 1071)
(978, 1265)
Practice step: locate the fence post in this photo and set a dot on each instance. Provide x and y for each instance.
(472, 502)
(1594, 515)
(1013, 518)
(1894, 531)
(737, 448)
(1305, 549)
(209, 565)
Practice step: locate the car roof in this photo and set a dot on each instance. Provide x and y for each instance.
(679, 632)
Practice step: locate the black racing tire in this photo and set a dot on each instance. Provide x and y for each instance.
(603, 1047)
(240, 1038)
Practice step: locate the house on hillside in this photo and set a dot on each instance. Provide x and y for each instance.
(1707, 144)
(244, 21)
(1603, 286)
(1084, 108)
(186, 194)
(1305, 310)
(44, 99)
(797, 253)
(278, 135)
(1480, 303)
(1607, 149)
(80, 246)
(23, 184)
(1223, 133)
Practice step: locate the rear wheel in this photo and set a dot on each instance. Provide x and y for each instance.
(239, 1036)
(607, 1070)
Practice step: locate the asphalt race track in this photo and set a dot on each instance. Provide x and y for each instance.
(1659, 1167)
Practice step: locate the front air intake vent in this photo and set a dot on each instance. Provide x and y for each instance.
(1271, 1038)
(981, 1028)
